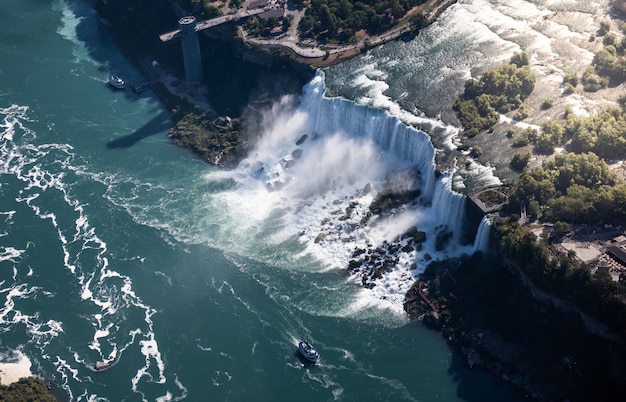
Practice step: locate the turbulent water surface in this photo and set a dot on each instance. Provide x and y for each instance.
(196, 283)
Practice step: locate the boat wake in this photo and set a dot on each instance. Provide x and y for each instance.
(42, 178)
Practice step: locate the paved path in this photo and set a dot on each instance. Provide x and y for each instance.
(290, 41)
(206, 24)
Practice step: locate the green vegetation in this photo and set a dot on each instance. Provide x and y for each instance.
(575, 188)
(525, 137)
(484, 307)
(498, 91)
(551, 136)
(603, 134)
(339, 21)
(520, 160)
(264, 27)
(387, 200)
(31, 389)
(570, 82)
(220, 144)
(565, 277)
(547, 103)
(571, 78)
(609, 64)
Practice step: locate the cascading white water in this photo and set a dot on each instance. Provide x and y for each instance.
(405, 143)
(448, 205)
(318, 166)
(481, 242)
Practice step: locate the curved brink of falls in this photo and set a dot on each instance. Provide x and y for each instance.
(316, 169)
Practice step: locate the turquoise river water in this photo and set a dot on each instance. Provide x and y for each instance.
(196, 283)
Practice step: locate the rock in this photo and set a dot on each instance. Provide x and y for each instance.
(367, 189)
(302, 139)
(354, 264)
(320, 237)
(102, 365)
(408, 248)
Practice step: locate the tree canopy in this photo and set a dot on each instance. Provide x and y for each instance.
(26, 390)
(498, 91)
(339, 19)
(575, 188)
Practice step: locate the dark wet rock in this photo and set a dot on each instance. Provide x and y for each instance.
(442, 240)
(408, 248)
(357, 252)
(387, 200)
(302, 139)
(296, 154)
(417, 235)
(354, 264)
(367, 189)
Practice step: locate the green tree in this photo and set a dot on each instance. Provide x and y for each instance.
(520, 160)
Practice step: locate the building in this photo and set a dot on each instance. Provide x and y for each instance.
(191, 49)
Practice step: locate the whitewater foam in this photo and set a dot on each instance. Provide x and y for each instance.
(69, 22)
(313, 174)
(14, 366)
(47, 173)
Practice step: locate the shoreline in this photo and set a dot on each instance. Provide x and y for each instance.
(12, 371)
(474, 345)
(314, 55)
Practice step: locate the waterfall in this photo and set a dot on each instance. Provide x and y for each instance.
(406, 143)
(448, 205)
(320, 165)
(481, 242)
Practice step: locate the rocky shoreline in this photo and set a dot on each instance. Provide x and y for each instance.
(496, 326)
(495, 321)
(266, 69)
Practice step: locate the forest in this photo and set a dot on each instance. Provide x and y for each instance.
(340, 20)
(500, 90)
(31, 389)
(574, 188)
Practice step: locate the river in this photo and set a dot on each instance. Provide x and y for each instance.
(194, 282)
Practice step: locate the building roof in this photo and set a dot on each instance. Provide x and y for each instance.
(617, 252)
(257, 4)
(277, 12)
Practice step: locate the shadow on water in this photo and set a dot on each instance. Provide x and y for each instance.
(157, 125)
(477, 385)
(303, 361)
(472, 385)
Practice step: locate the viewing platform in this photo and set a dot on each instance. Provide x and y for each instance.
(206, 24)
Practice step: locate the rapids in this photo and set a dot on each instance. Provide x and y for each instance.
(196, 283)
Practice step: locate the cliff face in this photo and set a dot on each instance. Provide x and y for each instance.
(543, 346)
(235, 77)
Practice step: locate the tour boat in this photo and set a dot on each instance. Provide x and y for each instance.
(116, 82)
(102, 365)
(307, 350)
